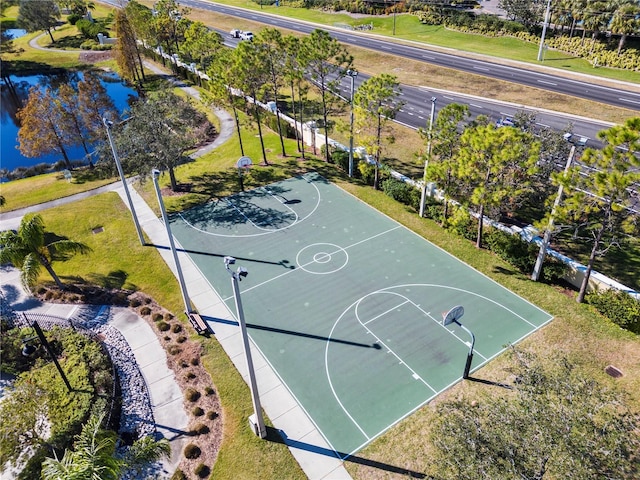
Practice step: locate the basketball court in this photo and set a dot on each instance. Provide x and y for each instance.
(347, 305)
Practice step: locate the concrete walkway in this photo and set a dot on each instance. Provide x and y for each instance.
(171, 420)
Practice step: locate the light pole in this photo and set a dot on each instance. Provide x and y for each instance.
(28, 350)
(352, 75)
(452, 316)
(256, 421)
(423, 197)
(537, 269)
(185, 296)
(544, 28)
(108, 124)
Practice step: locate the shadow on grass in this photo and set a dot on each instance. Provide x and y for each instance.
(279, 436)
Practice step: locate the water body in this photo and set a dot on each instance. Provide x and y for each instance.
(12, 101)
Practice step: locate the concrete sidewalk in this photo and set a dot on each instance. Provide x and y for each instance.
(166, 397)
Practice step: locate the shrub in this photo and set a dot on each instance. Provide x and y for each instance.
(461, 223)
(134, 302)
(181, 339)
(190, 376)
(619, 307)
(174, 349)
(200, 429)
(73, 18)
(197, 412)
(178, 475)
(522, 254)
(192, 451)
(163, 326)
(511, 248)
(156, 317)
(176, 328)
(194, 361)
(202, 470)
(145, 311)
(209, 391)
(168, 316)
(402, 192)
(211, 415)
(287, 130)
(191, 394)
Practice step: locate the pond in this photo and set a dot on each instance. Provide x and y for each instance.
(13, 33)
(14, 99)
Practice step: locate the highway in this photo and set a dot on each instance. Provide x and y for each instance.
(619, 97)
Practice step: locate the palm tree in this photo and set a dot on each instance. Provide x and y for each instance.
(28, 250)
(94, 455)
(625, 20)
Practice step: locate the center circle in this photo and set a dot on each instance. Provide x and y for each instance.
(322, 258)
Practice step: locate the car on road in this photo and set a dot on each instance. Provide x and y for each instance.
(246, 36)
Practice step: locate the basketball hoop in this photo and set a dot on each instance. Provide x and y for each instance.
(243, 164)
(453, 315)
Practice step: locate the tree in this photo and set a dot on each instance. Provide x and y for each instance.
(94, 104)
(252, 74)
(68, 102)
(31, 248)
(126, 50)
(294, 73)
(222, 82)
(44, 129)
(528, 12)
(272, 46)
(554, 422)
(34, 15)
(600, 190)
(201, 44)
(326, 61)
(159, 130)
(445, 145)
(495, 164)
(376, 103)
(94, 455)
(625, 20)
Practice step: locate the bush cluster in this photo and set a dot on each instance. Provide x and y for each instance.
(619, 307)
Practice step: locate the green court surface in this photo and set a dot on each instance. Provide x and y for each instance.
(346, 304)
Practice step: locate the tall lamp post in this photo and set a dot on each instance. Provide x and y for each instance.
(352, 75)
(452, 316)
(423, 197)
(256, 421)
(185, 296)
(108, 124)
(28, 350)
(544, 29)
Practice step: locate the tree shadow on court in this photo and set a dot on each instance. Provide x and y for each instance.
(279, 436)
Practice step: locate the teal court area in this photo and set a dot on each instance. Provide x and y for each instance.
(346, 304)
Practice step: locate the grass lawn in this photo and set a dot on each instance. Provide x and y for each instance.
(43, 188)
